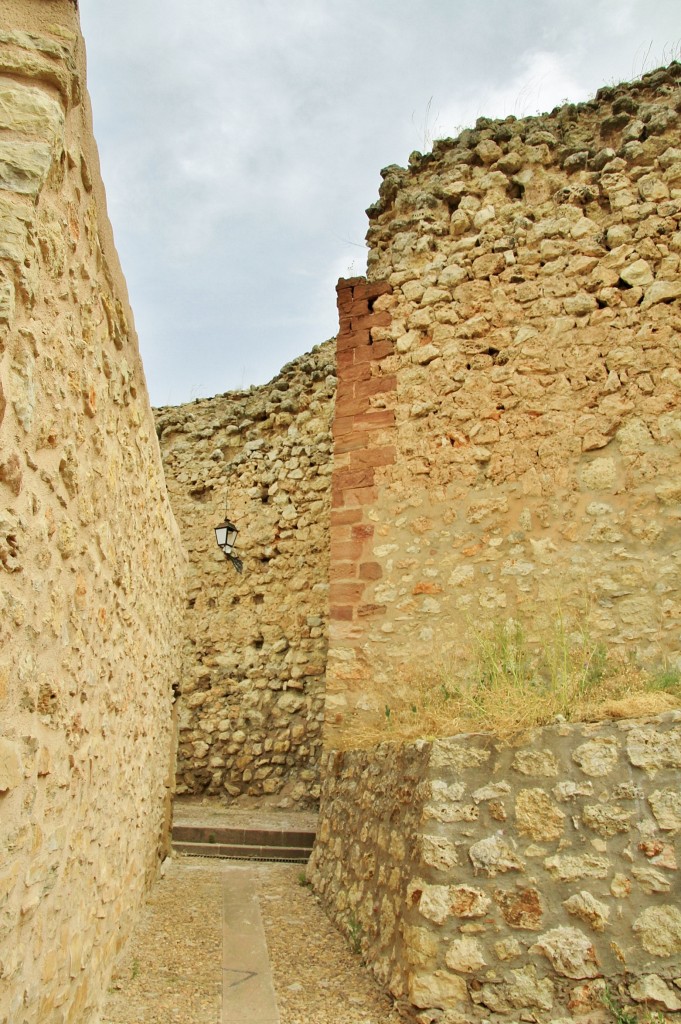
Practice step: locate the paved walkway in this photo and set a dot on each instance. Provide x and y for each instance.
(225, 942)
(247, 987)
(189, 811)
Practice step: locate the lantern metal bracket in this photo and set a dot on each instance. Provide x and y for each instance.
(236, 562)
(225, 535)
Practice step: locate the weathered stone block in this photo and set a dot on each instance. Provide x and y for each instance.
(24, 166)
(465, 955)
(438, 989)
(6, 300)
(15, 221)
(666, 805)
(607, 819)
(537, 816)
(540, 763)
(597, 757)
(585, 906)
(573, 867)
(522, 990)
(570, 952)
(520, 908)
(493, 856)
(652, 990)
(659, 930)
(11, 773)
(652, 750)
(26, 109)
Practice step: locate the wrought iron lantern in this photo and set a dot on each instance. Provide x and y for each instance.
(225, 535)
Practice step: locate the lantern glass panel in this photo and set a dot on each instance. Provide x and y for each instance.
(221, 534)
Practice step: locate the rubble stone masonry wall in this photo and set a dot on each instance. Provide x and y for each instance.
(489, 882)
(517, 364)
(251, 699)
(90, 557)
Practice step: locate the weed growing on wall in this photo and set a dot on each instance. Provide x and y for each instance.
(355, 934)
(507, 684)
(624, 1015)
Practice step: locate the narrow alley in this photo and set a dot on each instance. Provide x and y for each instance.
(188, 962)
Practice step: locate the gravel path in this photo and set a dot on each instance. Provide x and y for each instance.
(317, 978)
(171, 970)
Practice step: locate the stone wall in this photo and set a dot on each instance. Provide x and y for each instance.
(359, 428)
(90, 557)
(518, 357)
(252, 691)
(484, 881)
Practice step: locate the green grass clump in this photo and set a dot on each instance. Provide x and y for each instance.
(507, 683)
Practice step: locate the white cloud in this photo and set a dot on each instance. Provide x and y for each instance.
(541, 80)
(241, 142)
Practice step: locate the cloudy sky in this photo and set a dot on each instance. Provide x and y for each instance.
(241, 141)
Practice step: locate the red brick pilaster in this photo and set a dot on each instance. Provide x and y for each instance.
(361, 432)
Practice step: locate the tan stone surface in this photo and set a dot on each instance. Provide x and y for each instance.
(588, 908)
(666, 805)
(520, 989)
(440, 990)
(606, 820)
(363, 867)
(537, 816)
(659, 930)
(493, 855)
(596, 758)
(539, 763)
(10, 765)
(651, 989)
(570, 951)
(90, 557)
(465, 955)
(535, 914)
(531, 328)
(171, 969)
(252, 690)
(520, 908)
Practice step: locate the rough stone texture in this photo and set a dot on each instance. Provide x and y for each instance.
(360, 452)
(365, 865)
(521, 353)
(252, 691)
(90, 557)
(458, 915)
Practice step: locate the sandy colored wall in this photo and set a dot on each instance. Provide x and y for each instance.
(252, 691)
(521, 882)
(90, 557)
(515, 358)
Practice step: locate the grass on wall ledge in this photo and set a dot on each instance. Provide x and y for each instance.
(507, 685)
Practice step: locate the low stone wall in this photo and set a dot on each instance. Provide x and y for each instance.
(485, 881)
(252, 692)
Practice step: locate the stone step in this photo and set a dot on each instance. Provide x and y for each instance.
(243, 843)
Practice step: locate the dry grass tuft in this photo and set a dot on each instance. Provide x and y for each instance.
(638, 705)
(507, 685)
